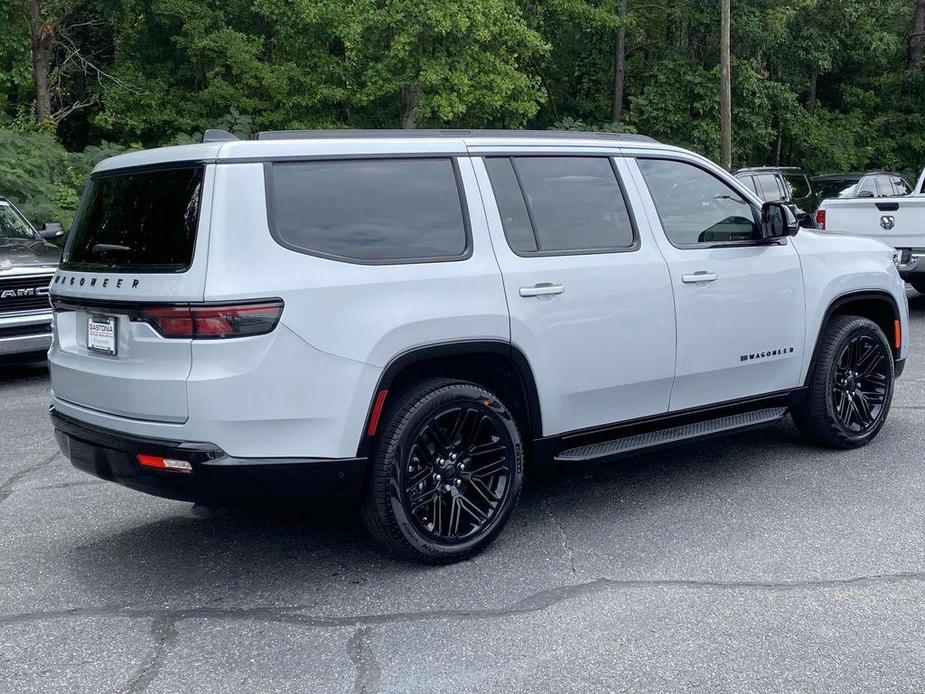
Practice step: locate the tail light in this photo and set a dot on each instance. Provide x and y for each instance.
(210, 322)
(162, 463)
(820, 219)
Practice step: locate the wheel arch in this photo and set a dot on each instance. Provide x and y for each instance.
(876, 305)
(494, 364)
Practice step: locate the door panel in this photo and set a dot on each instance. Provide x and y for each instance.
(597, 328)
(739, 330)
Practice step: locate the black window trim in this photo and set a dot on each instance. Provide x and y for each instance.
(200, 164)
(756, 212)
(637, 243)
(277, 237)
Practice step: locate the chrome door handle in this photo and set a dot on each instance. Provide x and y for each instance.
(542, 289)
(700, 276)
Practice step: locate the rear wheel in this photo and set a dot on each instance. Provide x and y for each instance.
(446, 473)
(851, 386)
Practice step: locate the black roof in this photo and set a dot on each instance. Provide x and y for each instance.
(853, 175)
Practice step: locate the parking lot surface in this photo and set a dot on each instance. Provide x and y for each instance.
(748, 564)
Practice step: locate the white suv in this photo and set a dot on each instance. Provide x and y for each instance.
(416, 316)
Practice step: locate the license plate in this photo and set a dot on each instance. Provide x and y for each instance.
(101, 334)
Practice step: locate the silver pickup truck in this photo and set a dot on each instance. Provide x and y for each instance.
(897, 221)
(27, 263)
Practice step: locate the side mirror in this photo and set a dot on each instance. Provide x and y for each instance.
(51, 231)
(866, 194)
(777, 221)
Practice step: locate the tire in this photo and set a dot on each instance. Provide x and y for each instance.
(448, 452)
(849, 392)
(918, 285)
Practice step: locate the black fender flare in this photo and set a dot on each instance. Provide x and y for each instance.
(841, 300)
(460, 348)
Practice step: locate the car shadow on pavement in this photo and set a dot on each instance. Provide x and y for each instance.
(277, 551)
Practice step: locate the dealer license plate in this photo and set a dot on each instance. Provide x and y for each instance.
(101, 334)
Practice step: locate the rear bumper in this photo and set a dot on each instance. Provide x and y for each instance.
(215, 476)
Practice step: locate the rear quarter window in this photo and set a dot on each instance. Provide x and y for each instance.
(137, 222)
(369, 211)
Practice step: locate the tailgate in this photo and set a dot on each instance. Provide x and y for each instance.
(898, 222)
(140, 238)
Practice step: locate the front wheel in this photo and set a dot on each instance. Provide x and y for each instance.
(850, 387)
(446, 473)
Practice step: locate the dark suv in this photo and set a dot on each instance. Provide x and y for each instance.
(786, 184)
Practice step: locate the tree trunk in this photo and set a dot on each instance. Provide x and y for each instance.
(725, 88)
(42, 38)
(811, 97)
(619, 67)
(410, 100)
(917, 40)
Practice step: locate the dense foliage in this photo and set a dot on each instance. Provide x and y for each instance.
(825, 84)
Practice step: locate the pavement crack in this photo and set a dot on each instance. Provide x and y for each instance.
(6, 488)
(563, 537)
(536, 602)
(164, 633)
(360, 650)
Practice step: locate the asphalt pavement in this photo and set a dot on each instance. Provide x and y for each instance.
(748, 564)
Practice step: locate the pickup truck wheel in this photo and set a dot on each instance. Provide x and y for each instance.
(446, 472)
(851, 386)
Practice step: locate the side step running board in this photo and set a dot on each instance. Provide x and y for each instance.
(665, 436)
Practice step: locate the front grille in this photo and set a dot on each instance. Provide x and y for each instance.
(24, 294)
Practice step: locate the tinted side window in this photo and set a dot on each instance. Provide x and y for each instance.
(900, 187)
(867, 186)
(799, 185)
(768, 189)
(369, 210)
(749, 182)
(511, 205)
(695, 206)
(574, 204)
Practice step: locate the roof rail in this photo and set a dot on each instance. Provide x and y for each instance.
(217, 135)
(365, 134)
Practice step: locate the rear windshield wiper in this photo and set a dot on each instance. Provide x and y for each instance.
(110, 248)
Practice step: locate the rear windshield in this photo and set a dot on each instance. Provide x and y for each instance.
(139, 222)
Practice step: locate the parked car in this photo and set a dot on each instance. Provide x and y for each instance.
(413, 317)
(873, 184)
(897, 221)
(786, 184)
(27, 263)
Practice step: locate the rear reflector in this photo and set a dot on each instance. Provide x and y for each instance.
(160, 463)
(820, 219)
(897, 334)
(206, 321)
(376, 413)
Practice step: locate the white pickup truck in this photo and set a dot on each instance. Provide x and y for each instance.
(897, 221)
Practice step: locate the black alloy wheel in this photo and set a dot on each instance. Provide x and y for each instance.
(457, 471)
(850, 386)
(861, 383)
(445, 473)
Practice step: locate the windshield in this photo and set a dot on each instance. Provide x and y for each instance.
(13, 225)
